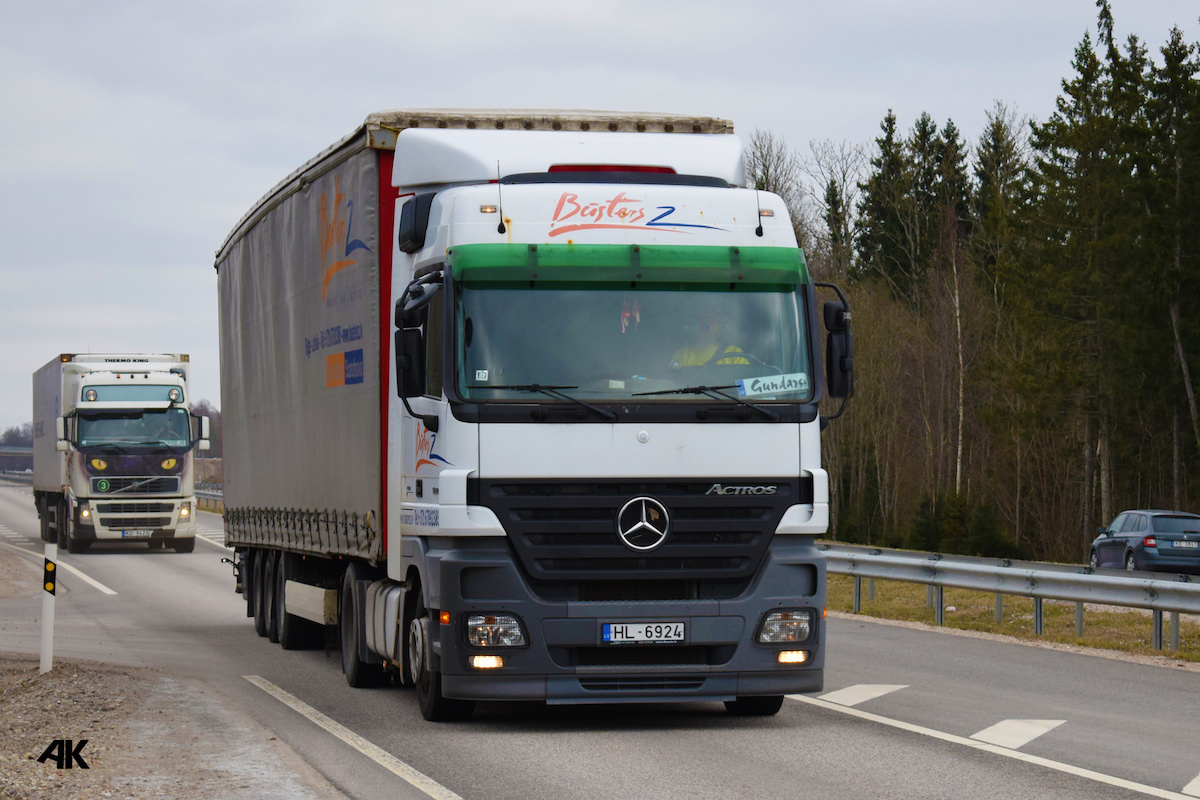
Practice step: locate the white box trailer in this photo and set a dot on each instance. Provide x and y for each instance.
(113, 445)
(525, 405)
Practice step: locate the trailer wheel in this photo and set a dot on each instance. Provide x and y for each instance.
(247, 570)
(270, 598)
(295, 633)
(256, 593)
(757, 706)
(428, 681)
(359, 674)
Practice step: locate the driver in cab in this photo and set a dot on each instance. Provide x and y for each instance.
(711, 347)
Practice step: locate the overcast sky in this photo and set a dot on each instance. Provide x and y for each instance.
(133, 135)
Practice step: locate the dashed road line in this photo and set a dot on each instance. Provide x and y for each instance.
(860, 693)
(1017, 755)
(1016, 733)
(377, 754)
(39, 557)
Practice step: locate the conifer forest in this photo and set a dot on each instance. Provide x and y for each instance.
(1026, 308)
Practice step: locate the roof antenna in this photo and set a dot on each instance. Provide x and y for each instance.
(759, 230)
(500, 201)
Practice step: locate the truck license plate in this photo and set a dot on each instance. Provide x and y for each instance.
(138, 534)
(1187, 544)
(643, 632)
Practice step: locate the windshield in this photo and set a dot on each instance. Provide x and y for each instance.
(649, 344)
(140, 430)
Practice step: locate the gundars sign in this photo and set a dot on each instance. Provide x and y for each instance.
(773, 385)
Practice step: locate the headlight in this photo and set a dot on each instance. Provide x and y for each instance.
(185, 510)
(781, 627)
(174, 395)
(494, 630)
(90, 395)
(99, 464)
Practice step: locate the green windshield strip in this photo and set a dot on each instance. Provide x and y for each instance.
(607, 263)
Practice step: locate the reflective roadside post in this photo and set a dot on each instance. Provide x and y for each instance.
(49, 583)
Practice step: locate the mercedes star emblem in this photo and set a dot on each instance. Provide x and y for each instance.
(642, 523)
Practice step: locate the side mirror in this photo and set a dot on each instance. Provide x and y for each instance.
(60, 435)
(414, 223)
(410, 362)
(1103, 531)
(839, 350)
(204, 425)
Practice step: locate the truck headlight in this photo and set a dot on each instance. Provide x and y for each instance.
(783, 627)
(494, 630)
(185, 510)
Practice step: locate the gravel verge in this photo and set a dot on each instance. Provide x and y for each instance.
(149, 734)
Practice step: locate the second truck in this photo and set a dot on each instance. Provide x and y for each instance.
(524, 406)
(113, 445)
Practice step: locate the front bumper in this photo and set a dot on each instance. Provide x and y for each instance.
(566, 660)
(136, 519)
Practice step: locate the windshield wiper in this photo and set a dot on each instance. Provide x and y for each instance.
(554, 391)
(714, 392)
(107, 447)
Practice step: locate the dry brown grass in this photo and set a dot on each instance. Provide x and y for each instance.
(1108, 627)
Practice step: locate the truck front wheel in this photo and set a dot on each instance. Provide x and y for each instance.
(427, 680)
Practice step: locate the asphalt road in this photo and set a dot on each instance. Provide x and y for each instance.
(906, 713)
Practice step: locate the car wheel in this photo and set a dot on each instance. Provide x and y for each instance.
(1130, 564)
(1094, 560)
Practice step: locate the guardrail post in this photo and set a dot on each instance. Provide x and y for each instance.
(1078, 620)
(999, 608)
(1039, 619)
(871, 590)
(857, 594)
(1174, 631)
(930, 595)
(939, 610)
(1158, 628)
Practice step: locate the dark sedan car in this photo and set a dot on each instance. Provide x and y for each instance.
(1164, 541)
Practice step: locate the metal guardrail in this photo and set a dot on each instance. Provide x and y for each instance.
(210, 497)
(1038, 580)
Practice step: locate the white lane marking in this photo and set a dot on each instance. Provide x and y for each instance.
(40, 558)
(1193, 788)
(860, 693)
(1017, 755)
(86, 579)
(380, 756)
(1016, 733)
(214, 543)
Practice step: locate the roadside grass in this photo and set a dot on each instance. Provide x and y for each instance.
(1128, 630)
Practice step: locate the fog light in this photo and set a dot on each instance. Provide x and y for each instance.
(85, 512)
(785, 626)
(494, 630)
(487, 662)
(174, 395)
(185, 510)
(793, 657)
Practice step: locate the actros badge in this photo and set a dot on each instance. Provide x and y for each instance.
(642, 523)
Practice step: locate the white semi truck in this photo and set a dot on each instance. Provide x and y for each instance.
(113, 446)
(524, 406)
